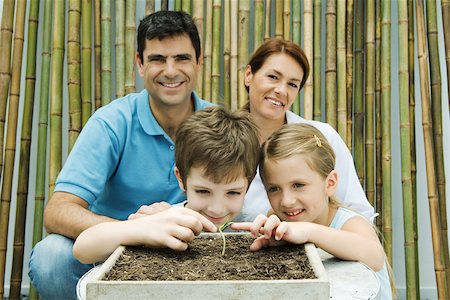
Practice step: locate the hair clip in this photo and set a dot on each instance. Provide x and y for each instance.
(319, 143)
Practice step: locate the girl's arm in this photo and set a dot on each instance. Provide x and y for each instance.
(171, 228)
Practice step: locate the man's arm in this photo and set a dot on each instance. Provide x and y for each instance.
(67, 214)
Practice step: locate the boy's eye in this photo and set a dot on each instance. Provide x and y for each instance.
(202, 192)
(298, 185)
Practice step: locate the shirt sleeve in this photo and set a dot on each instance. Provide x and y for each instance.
(91, 162)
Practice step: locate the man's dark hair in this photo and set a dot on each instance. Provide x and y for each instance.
(166, 23)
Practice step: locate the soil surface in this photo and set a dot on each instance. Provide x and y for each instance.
(203, 260)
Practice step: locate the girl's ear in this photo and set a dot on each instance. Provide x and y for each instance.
(180, 180)
(331, 183)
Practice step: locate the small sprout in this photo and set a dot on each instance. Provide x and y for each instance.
(221, 229)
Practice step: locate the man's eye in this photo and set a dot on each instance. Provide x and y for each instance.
(272, 76)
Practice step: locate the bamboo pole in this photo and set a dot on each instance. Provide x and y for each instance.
(215, 66)
(433, 198)
(279, 19)
(25, 143)
(5, 68)
(130, 48)
(330, 63)
(11, 132)
(41, 161)
(207, 57)
(286, 19)
(197, 16)
(244, 17)
(186, 6)
(105, 15)
(227, 53)
(97, 54)
(341, 78)
(412, 118)
(296, 38)
(408, 215)
(150, 7)
(317, 80)
(120, 48)
(55, 153)
(436, 107)
(308, 46)
(386, 128)
(164, 4)
(177, 5)
(378, 155)
(267, 18)
(358, 105)
(73, 71)
(349, 68)
(234, 84)
(445, 4)
(86, 45)
(258, 23)
(369, 99)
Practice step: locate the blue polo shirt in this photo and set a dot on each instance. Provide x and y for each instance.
(123, 159)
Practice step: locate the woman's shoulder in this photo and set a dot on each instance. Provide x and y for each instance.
(326, 129)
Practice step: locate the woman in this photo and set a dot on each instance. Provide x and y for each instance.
(277, 71)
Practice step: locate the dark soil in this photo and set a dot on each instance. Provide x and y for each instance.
(204, 261)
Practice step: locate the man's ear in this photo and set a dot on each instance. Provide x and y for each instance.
(180, 180)
(331, 183)
(139, 65)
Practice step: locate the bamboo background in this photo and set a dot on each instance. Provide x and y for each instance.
(387, 101)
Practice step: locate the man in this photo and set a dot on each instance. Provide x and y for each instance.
(123, 160)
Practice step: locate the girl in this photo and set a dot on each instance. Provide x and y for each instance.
(297, 167)
(274, 76)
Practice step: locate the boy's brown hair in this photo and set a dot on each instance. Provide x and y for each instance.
(226, 145)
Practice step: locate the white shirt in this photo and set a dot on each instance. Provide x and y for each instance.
(349, 190)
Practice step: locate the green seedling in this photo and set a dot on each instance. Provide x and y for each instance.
(221, 229)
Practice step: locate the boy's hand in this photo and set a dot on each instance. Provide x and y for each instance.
(152, 209)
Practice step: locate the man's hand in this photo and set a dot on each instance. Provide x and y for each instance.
(152, 209)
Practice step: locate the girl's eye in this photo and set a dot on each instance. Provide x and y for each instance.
(272, 189)
(234, 193)
(298, 185)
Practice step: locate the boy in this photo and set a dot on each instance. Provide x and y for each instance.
(216, 155)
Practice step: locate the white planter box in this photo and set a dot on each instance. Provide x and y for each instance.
(227, 289)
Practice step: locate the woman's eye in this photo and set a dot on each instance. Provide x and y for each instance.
(295, 86)
(272, 76)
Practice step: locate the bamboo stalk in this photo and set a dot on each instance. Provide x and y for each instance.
(296, 38)
(150, 7)
(186, 6)
(286, 19)
(386, 128)
(258, 23)
(341, 78)
(309, 50)
(106, 51)
(445, 6)
(177, 5)
(408, 215)
(267, 18)
(215, 67)
(410, 4)
(130, 47)
(25, 143)
(330, 63)
(11, 132)
(358, 105)
(279, 19)
(317, 80)
(5, 68)
(378, 155)
(234, 84)
(227, 53)
(349, 68)
(244, 17)
(73, 71)
(433, 198)
(207, 57)
(197, 16)
(41, 161)
(120, 48)
(164, 4)
(86, 45)
(370, 92)
(97, 54)
(436, 107)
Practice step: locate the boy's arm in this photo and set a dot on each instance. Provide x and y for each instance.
(171, 228)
